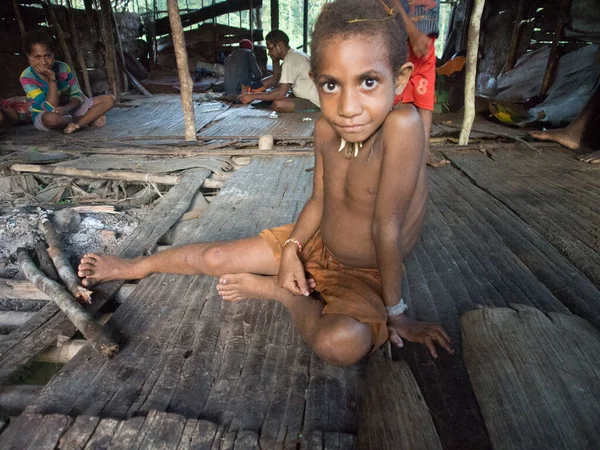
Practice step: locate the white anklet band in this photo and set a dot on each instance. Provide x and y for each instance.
(398, 309)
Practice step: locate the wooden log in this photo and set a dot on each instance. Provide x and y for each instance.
(105, 175)
(15, 398)
(183, 69)
(64, 269)
(78, 54)
(19, 17)
(563, 16)
(93, 332)
(62, 42)
(46, 264)
(516, 38)
(274, 14)
(110, 59)
(25, 290)
(471, 71)
(393, 414)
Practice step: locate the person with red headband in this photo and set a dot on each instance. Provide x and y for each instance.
(241, 69)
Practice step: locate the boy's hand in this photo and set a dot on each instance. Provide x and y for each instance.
(419, 43)
(62, 110)
(291, 273)
(246, 98)
(426, 333)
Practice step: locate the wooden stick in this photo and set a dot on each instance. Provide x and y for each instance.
(183, 68)
(46, 264)
(65, 271)
(516, 38)
(104, 175)
(563, 15)
(110, 59)
(19, 17)
(84, 322)
(59, 34)
(78, 54)
(119, 46)
(471, 72)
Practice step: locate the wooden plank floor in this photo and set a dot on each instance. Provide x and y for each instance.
(188, 353)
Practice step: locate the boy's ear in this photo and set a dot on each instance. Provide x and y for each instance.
(403, 76)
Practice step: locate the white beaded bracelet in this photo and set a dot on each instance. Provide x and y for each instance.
(398, 309)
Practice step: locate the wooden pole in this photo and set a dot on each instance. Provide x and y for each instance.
(471, 72)
(19, 17)
(93, 332)
(110, 58)
(305, 27)
(65, 271)
(563, 16)
(516, 38)
(119, 48)
(79, 55)
(59, 34)
(104, 175)
(154, 40)
(251, 19)
(185, 80)
(274, 14)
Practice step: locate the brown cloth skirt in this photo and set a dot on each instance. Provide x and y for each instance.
(345, 290)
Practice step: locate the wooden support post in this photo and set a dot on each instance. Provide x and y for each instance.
(119, 48)
(79, 55)
(251, 19)
(65, 271)
(516, 38)
(305, 27)
(185, 79)
(19, 17)
(563, 16)
(59, 34)
(471, 72)
(110, 59)
(93, 332)
(274, 14)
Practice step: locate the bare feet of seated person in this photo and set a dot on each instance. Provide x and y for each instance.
(562, 136)
(95, 268)
(245, 286)
(99, 122)
(70, 128)
(434, 161)
(591, 158)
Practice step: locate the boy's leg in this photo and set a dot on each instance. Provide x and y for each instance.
(337, 339)
(211, 258)
(94, 115)
(285, 105)
(51, 121)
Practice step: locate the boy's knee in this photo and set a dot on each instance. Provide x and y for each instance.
(215, 260)
(108, 101)
(53, 120)
(344, 344)
(282, 105)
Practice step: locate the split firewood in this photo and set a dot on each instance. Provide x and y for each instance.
(64, 269)
(93, 332)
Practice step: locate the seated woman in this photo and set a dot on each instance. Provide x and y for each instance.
(52, 88)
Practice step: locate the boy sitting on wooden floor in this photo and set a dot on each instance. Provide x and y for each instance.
(364, 216)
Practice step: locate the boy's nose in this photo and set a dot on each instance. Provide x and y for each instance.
(349, 105)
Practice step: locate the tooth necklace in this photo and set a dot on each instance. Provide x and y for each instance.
(348, 152)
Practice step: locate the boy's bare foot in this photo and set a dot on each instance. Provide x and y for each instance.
(99, 122)
(592, 158)
(433, 161)
(562, 136)
(94, 269)
(245, 286)
(70, 128)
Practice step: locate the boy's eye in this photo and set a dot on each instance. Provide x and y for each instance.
(329, 87)
(369, 83)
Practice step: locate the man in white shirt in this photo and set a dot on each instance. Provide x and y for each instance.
(294, 74)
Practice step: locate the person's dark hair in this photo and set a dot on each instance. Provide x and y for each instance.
(276, 36)
(37, 37)
(345, 18)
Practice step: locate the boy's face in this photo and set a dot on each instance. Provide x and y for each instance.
(40, 57)
(356, 85)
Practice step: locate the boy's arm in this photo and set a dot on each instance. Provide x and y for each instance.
(401, 168)
(277, 94)
(75, 95)
(418, 41)
(291, 269)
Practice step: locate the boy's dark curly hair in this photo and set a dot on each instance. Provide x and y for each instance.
(37, 37)
(345, 18)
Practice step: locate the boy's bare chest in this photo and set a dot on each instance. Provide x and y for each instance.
(354, 179)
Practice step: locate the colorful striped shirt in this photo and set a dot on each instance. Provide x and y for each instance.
(36, 89)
